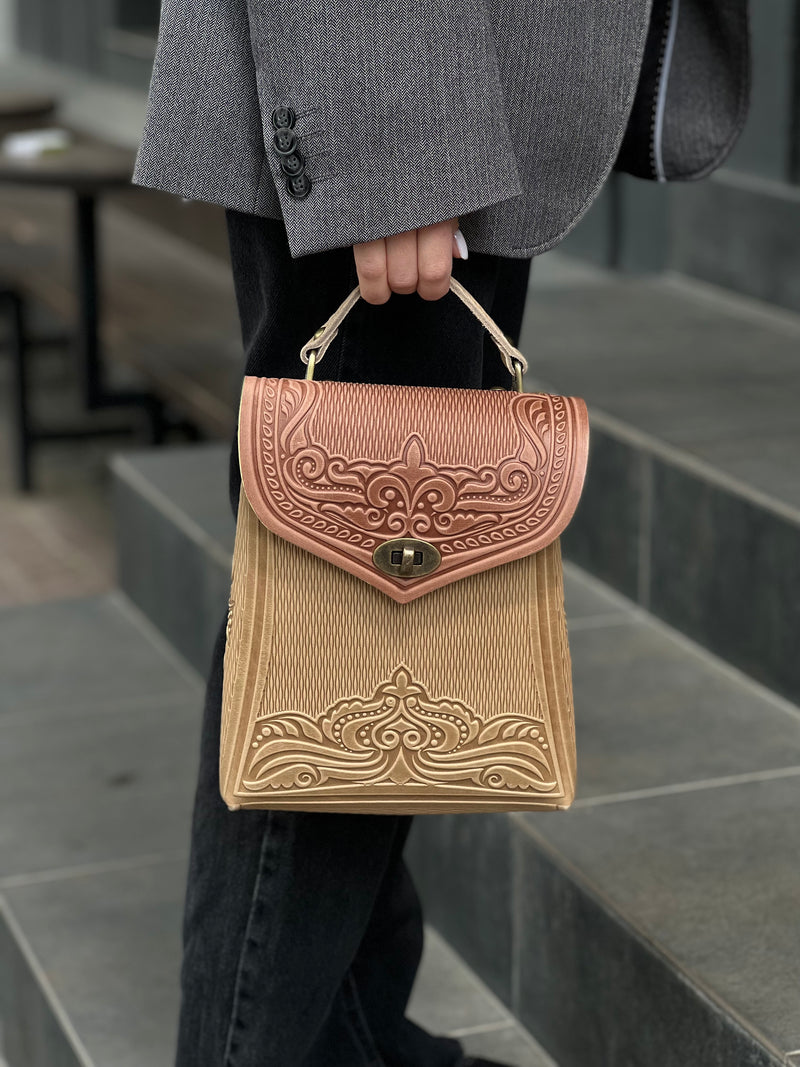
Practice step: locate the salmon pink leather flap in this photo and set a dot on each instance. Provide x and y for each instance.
(339, 468)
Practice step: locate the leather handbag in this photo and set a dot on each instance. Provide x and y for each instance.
(396, 637)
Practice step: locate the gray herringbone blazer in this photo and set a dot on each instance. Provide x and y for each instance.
(398, 113)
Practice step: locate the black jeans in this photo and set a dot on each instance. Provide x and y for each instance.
(303, 932)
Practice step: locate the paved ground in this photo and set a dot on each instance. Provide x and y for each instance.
(56, 542)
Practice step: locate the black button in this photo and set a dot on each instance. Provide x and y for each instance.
(298, 187)
(293, 165)
(284, 141)
(283, 118)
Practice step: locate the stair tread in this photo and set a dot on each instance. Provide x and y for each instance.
(84, 654)
(701, 371)
(189, 480)
(102, 789)
(692, 499)
(710, 878)
(125, 1015)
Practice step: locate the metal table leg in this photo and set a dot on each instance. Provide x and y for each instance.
(90, 355)
(88, 331)
(19, 390)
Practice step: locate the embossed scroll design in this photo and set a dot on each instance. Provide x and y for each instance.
(361, 501)
(399, 737)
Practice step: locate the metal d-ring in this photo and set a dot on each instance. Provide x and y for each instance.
(517, 374)
(312, 356)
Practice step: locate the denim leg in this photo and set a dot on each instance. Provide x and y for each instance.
(376, 990)
(385, 968)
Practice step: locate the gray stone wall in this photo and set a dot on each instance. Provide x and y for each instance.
(7, 30)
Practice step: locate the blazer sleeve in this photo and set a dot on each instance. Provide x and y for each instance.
(379, 116)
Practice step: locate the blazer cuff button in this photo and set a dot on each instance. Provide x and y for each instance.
(283, 118)
(293, 165)
(298, 187)
(284, 142)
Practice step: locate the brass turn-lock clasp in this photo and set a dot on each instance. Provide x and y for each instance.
(406, 557)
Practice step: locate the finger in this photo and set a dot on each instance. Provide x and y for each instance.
(401, 261)
(370, 259)
(435, 260)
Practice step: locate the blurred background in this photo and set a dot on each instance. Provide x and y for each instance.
(654, 925)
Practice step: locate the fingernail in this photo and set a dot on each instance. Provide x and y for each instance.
(461, 245)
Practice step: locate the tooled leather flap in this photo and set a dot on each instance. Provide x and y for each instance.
(338, 468)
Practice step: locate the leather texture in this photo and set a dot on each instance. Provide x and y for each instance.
(349, 689)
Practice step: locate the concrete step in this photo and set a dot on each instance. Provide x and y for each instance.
(97, 771)
(692, 503)
(654, 924)
(100, 720)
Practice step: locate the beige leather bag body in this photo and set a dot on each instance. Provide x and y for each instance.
(396, 632)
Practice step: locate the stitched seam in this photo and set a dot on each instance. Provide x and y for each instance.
(320, 132)
(308, 156)
(361, 1033)
(313, 178)
(237, 988)
(662, 89)
(316, 154)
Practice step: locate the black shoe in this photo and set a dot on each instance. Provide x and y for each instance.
(471, 1061)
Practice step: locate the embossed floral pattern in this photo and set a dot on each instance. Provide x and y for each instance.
(399, 737)
(339, 468)
(410, 494)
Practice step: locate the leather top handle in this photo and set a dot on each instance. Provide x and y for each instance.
(314, 349)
